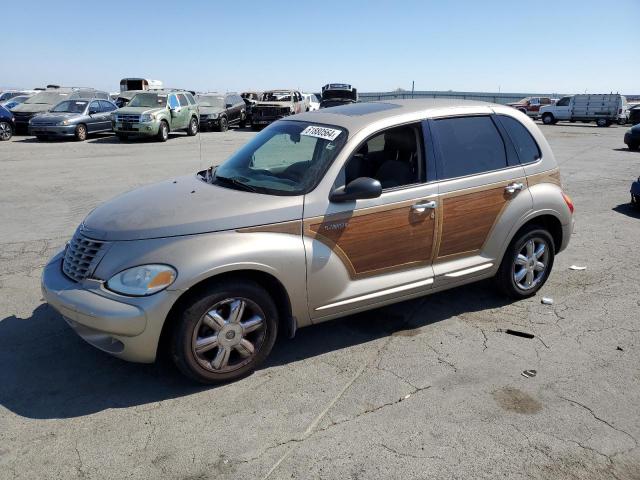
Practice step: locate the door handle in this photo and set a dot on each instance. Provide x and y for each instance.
(513, 188)
(421, 207)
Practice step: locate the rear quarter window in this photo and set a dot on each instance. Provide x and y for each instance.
(468, 145)
(190, 98)
(525, 145)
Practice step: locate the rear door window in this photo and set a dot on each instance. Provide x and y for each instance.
(468, 145)
(183, 100)
(526, 147)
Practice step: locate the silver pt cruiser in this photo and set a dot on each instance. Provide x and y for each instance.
(320, 215)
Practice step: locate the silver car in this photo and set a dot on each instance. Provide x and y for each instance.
(321, 215)
(75, 118)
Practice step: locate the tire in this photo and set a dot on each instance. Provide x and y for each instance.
(548, 119)
(81, 132)
(602, 122)
(122, 137)
(510, 278)
(633, 146)
(6, 131)
(192, 130)
(224, 124)
(622, 121)
(635, 202)
(236, 347)
(243, 121)
(163, 131)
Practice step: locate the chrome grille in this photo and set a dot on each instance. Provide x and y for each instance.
(127, 118)
(80, 257)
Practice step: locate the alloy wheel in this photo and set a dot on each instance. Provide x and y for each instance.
(530, 263)
(5, 131)
(229, 335)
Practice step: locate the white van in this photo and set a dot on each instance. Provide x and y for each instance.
(602, 109)
(140, 84)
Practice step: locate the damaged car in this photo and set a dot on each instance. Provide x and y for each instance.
(219, 111)
(334, 94)
(274, 105)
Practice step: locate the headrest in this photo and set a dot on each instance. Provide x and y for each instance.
(402, 139)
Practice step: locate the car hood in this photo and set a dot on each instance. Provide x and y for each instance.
(210, 110)
(31, 107)
(138, 110)
(56, 117)
(186, 206)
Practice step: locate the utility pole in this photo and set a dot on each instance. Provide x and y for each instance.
(413, 84)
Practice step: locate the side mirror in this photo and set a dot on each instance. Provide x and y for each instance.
(358, 189)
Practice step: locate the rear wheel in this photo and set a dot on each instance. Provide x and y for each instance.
(163, 131)
(6, 131)
(81, 132)
(527, 263)
(193, 127)
(225, 332)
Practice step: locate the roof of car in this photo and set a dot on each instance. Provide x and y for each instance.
(355, 116)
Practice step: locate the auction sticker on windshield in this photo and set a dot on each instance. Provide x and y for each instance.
(321, 132)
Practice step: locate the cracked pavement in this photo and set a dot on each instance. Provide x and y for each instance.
(428, 388)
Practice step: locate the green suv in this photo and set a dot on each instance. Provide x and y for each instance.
(155, 114)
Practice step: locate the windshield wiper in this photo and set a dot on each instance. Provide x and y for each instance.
(237, 183)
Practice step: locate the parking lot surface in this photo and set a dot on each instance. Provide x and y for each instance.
(430, 388)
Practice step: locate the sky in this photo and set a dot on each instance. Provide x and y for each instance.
(560, 46)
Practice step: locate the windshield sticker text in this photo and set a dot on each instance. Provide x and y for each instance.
(321, 132)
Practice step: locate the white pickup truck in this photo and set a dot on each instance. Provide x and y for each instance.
(602, 109)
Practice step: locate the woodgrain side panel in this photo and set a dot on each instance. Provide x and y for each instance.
(293, 227)
(550, 176)
(468, 219)
(378, 241)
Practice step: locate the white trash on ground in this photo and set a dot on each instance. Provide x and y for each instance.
(547, 301)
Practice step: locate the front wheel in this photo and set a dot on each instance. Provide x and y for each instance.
(527, 263)
(225, 332)
(163, 131)
(81, 133)
(6, 131)
(193, 127)
(224, 125)
(602, 122)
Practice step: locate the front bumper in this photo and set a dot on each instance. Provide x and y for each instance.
(52, 130)
(126, 327)
(136, 128)
(631, 138)
(209, 122)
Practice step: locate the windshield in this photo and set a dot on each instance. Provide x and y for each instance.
(276, 96)
(287, 158)
(150, 100)
(48, 98)
(210, 101)
(70, 106)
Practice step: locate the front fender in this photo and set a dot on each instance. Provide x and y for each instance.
(200, 257)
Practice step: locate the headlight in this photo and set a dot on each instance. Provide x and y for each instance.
(64, 122)
(142, 280)
(213, 115)
(147, 117)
